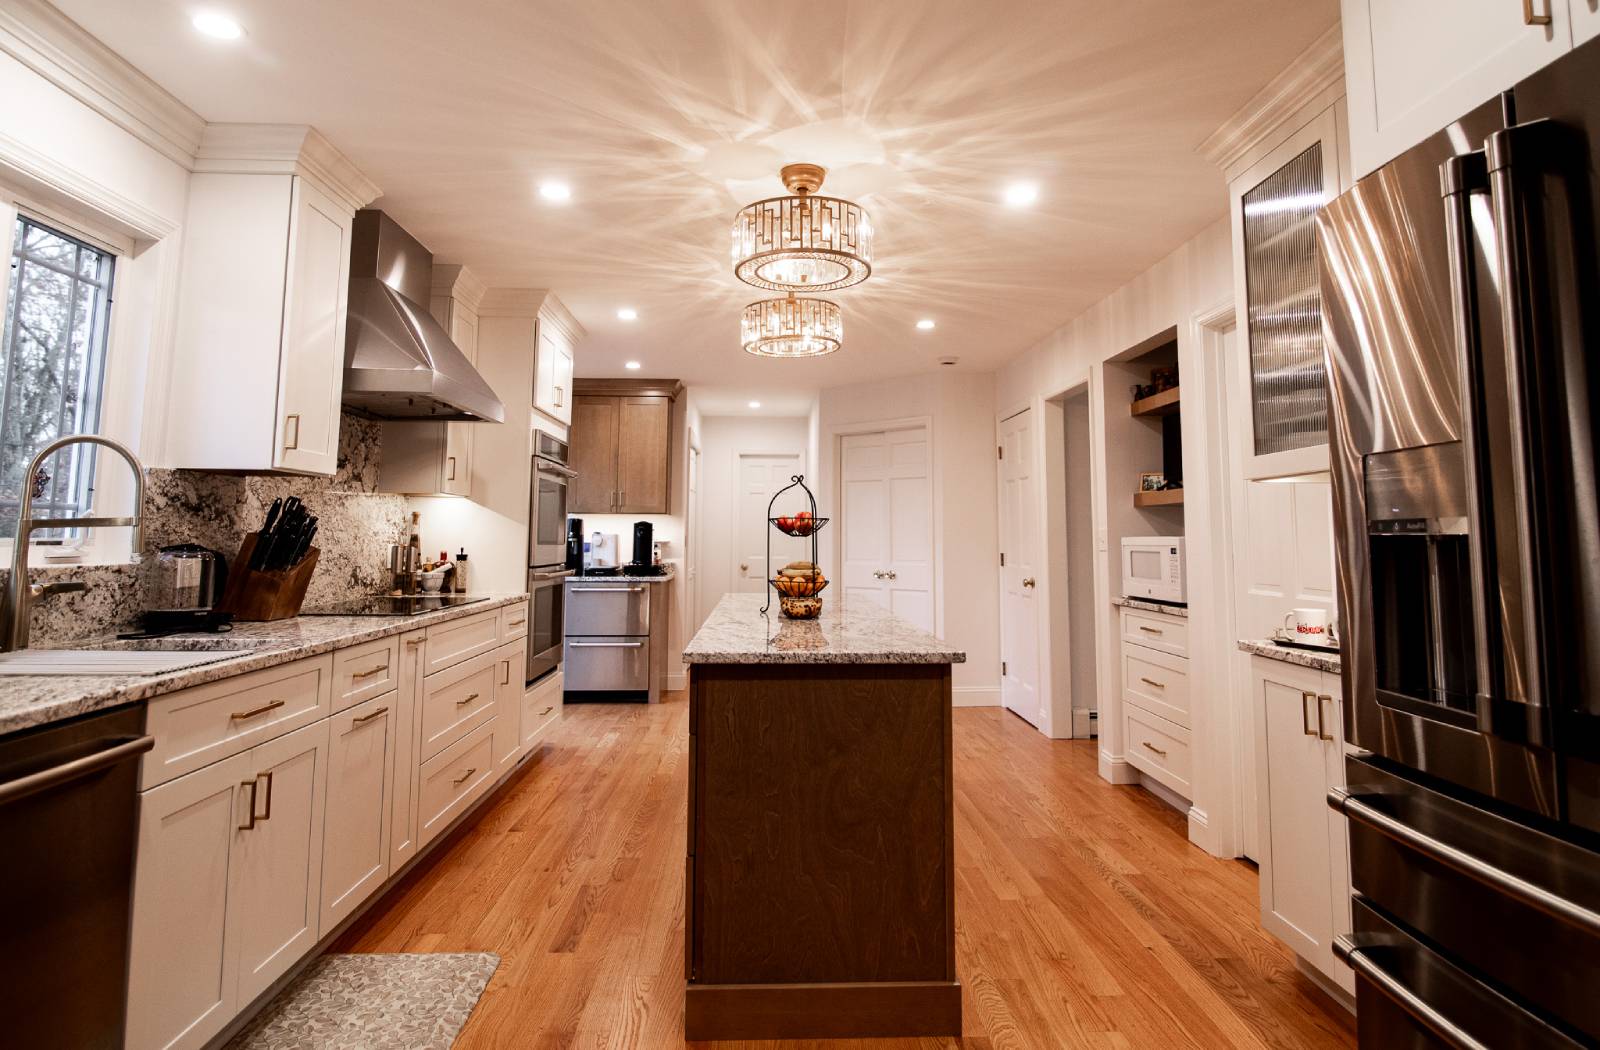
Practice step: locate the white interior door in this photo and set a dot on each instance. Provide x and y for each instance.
(761, 474)
(1019, 552)
(886, 488)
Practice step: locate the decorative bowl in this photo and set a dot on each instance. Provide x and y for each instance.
(431, 581)
(798, 526)
(799, 585)
(800, 608)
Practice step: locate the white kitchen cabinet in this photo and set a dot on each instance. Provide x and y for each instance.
(225, 888)
(362, 746)
(558, 337)
(541, 708)
(1154, 715)
(403, 788)
(511, 662)
(258, 350)
(1273, 204)
(1413, 66)
(1305, 863)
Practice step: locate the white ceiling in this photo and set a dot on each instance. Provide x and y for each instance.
(665, 117)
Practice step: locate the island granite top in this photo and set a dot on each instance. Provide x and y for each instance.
(1301, 657)
(859, 632)
(27, 701)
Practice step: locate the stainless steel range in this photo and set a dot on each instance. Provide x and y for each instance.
(1461, 306)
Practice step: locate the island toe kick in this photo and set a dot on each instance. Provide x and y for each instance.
(820, 894)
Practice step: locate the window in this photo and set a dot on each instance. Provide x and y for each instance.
(52, 368)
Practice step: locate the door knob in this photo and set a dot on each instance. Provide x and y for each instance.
(1028, 582)
(892, 574)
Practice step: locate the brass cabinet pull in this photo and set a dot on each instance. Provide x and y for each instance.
(547, 710)
(289, 446)
(369, 717)
(1322, 730)
(458, 781)
(466, 700)
(268, 814)
(1305, 719)
(251, 823)
(517, 623)
(1150, 630)
(371, 671)
(263, 709)
(1149, 746)
(1152, 681)
(452, 475)
(1531, 19)
(414, 642)
(507, 679)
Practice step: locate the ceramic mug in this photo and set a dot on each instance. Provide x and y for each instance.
(1307, 625)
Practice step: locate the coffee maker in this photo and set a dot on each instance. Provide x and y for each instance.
(575, 544)
(643, 562)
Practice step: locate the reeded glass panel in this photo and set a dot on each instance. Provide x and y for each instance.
(1288, 384)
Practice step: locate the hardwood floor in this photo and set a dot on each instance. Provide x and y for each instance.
(1084, 917)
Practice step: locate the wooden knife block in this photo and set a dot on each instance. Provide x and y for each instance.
(252, 595)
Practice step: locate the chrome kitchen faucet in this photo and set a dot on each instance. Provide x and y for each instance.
(14, 613)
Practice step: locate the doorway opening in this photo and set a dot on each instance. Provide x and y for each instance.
(1069, 528)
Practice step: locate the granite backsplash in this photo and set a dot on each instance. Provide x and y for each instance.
(356, 525)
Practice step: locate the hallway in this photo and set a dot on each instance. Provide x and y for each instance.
(1084, 916)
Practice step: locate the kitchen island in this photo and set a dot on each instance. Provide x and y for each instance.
(820, 879)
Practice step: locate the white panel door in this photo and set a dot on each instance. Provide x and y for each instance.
(1019, 547)
(311, 376)
(276, 871)
(761, 475)
(863, 516)
(886, 485)
(359, 811)
(181, 979)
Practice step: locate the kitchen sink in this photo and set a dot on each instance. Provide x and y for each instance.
(142, 656)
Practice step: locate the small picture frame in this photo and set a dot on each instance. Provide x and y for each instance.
(1152, 481)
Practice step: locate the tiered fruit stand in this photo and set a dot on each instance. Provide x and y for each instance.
(799, 594)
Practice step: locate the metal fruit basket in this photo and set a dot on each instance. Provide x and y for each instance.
(796, 606)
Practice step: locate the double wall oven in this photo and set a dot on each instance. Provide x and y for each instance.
(547, 553)
(1461, 307)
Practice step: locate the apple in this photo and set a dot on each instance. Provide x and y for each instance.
(786, 524)
(805, 514)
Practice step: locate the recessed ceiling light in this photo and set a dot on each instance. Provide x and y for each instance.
(755, 404)
(926, 324)
(218, 25)
(632, 366)
(627, 313)
(555, 191)
(1021, 194)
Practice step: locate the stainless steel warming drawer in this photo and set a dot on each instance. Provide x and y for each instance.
(608, 648)
(614, 609)
(607, 664)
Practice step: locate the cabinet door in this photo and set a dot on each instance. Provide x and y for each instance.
(511, 662)
(181, 976)
(563, 377)
(1413, 66)
(276, 868)
(359, 811)
(644, 437)
(552, 385)
(403, 788)
(1296, 894)
(593, 441)
(455, 473)
(541, 708)
(1274, 205)
(1585, 21)
(1331, 705)
(311, 367)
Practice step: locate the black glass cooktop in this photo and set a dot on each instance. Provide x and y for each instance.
(392, 605)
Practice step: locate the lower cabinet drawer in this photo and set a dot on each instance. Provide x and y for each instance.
(456, 640)
(1158, 748)
(606, 664)
(453, 779)
(457, 701)
(541, 706)
(1157, 682)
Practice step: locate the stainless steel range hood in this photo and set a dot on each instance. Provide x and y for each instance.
(399, 363)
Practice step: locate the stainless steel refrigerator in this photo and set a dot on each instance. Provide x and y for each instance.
(1461, 319)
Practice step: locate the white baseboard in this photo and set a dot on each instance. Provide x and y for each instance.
(674, 681)
(975, 696)
(1165, 794)
(1117, 770)
(1084, 723)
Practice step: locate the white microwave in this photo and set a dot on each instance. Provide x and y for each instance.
(1152, 567)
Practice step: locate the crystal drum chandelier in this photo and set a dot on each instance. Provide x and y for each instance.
(802, 243)
(792, 327)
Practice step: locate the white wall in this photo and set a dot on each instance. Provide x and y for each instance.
(722, 439)
(960, 407)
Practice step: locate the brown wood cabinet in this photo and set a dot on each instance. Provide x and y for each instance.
(621, 446)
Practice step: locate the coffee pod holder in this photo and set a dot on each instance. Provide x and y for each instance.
(796, 607)
(255, 595)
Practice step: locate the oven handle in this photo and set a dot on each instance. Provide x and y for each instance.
(540, 577)
(1519, 889)
(1350, 951)
(546, 466)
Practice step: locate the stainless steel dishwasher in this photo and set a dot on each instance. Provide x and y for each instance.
(606, 654)
(69, 819)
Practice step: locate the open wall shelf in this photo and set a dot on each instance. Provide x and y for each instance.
(1162, 498)
(1162, 404)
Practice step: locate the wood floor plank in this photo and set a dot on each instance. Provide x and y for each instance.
(1084, 917)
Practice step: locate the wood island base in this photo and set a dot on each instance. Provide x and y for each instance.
(822, 1011)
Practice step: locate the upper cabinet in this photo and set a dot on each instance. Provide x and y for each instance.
(1413, 66)
(559, 334)
(258, 352)
(621, 440)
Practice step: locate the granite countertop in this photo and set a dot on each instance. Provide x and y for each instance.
(626, 577)
(860, 632)
(27, 701)
(1329, 662)
(1155, 607)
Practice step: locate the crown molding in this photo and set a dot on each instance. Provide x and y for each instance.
(62, 52)
(1312, 72)
(283, 149)
(55, 182)
(454, 281)
(513, 302)
(556, 312)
